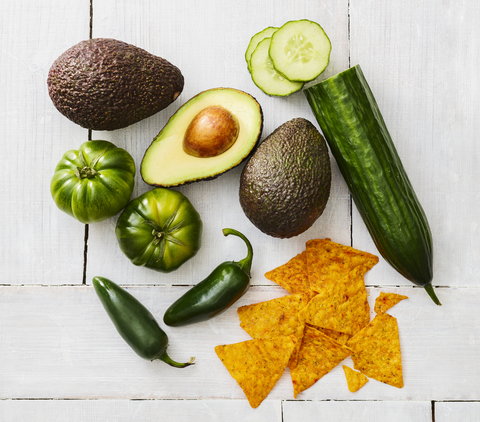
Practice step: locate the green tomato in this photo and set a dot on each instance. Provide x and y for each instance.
(159, 230)
(94, 182)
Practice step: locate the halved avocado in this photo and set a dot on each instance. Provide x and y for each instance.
(210, 134)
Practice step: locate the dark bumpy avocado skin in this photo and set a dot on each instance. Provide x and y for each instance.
(285, 185)
(105, 84)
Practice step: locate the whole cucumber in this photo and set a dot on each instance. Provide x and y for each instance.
(352, 123)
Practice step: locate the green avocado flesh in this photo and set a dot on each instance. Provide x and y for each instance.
(285, 185)
(166, 163)
(105, 84)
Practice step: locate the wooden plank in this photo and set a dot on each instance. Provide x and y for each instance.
(188, 36)
(205, 410)
(58, 342)
(457, 411)
(359, 411)
(418, 60)
(138, 410)
(40, 245)
(64, 410)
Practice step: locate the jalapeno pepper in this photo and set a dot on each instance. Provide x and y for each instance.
(213, 295)
(134, 322)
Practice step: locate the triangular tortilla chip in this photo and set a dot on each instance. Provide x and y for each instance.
(318, 355)
(355, 379)
(386, 300)
(328, 262)
(292, 276)
(257, 364)
(376, 351)
(342, 306)
(341, 338)
(273, 318)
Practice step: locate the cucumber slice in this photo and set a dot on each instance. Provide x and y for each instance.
(266, 77)
(300, 50)
(259, 36)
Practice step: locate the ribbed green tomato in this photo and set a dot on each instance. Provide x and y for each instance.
(159, 230)
(94, 182)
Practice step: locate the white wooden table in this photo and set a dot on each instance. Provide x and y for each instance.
(61, 359)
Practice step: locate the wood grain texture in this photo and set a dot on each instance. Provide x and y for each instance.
(419, 61)
(65, 410)
(137, 411)
(68, 348)
(61, 357)
(457, 411)
(188, 36)
(40, 244)
(358, 411)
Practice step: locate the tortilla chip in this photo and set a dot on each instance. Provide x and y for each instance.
(327, 262)
(386, 300)
(341, 338)
(318, 355)
(292, 276)
(257, 364)
(276, 317)
(342, 306)
(355, 379)
(376, 351)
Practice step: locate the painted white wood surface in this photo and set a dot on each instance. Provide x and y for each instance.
(56, 342)
(208, 43)
(358, 411)
(60, 343)
(138, 411)
(39, 245)
(421, 63)
(455, 411)
(65, 410)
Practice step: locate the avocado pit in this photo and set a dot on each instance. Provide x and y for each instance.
(211, 132)
(166, 163)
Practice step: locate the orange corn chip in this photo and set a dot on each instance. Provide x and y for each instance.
(273, 318)
(342, 306)
(292, 276)
(386, 300)
(318, 355)
(328, 262)
(355, 379)
(257, 364)
(376, 350)
(341, 338)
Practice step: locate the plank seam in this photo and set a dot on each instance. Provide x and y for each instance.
(368, 286)
(350, 199)
(348, 32)
(91, 26)
(89, 138)
(85, 255)
(434, 402)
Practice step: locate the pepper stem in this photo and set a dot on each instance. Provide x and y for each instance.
(246, 263)
(431, 293)
(171, 362)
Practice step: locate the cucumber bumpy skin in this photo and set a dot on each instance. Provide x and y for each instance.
(300, 50)
(266, 77)
(350, 119)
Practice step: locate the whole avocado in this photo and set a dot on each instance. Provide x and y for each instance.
(285, 185)
(106, 84)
